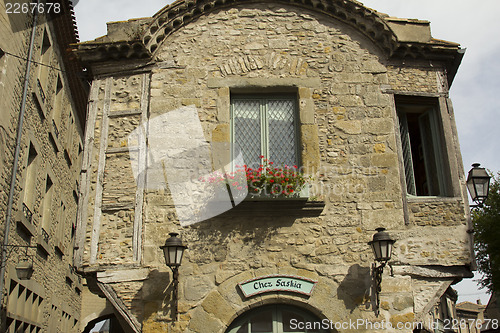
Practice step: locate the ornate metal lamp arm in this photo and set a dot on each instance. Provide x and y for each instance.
(377, 272)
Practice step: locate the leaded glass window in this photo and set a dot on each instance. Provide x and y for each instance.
(265, 126)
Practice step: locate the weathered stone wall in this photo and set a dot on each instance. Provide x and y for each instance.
(349, 134)
(60, 157)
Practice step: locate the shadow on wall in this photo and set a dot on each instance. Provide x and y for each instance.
(156, 296)
(220, 239)
(354, 290)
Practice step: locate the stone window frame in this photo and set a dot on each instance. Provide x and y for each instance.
(60, 225)
(303, 88)
(41, 241)
(451, 158)
(29, 226)
(43, 72)
(45, 57)
(421, 107)
(58, 105)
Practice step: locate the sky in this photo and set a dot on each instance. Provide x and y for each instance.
(475, 25)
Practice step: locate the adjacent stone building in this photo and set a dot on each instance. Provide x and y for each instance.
(43, 111)
(355, 99)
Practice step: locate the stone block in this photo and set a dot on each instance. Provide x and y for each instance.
(196, 287)
(391, 219)
(386, 160)
(348, 127)
(378, 126)
(202, 322)
(402, 319)
(399, 284)
(216, 305)
(402, 302)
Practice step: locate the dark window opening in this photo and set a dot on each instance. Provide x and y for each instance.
(421, 140)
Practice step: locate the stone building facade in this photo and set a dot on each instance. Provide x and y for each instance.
(42, 107)
(371, 122)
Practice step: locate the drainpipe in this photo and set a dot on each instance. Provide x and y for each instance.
(3, 255)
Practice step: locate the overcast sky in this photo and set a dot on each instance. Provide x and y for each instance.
(474, 25)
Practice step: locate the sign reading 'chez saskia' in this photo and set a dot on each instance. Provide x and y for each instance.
(270, 283)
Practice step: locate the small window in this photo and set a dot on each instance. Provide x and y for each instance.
(45, 56)
(58, 106)
(265, 126)
(30, 180)
(47, 209)
(421, 133)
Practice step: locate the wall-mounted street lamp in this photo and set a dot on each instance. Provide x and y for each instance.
(173, 251)
(24, 267)
(478, 184)
(382, 250)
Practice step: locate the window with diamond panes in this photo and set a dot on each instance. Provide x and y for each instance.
(265, 126)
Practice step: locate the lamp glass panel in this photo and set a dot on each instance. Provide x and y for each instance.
(172, 255)
(388, 249)
(472, 190)
(376, 250)
(482, 185)
(479, 187)
(383, 250)
(180, 252)
(165, 254)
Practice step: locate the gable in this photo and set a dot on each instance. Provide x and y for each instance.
(178, 14)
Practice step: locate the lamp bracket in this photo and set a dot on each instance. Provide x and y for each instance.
(8, 249)
(377, 272)
(477, 206)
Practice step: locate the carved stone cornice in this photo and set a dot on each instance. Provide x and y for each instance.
(111, 51)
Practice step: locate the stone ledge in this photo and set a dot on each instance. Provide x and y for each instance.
(433, 271)
(429, 199)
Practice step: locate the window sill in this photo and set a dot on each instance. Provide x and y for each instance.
(414, 198)
(43, 245)
(265, 206)
(303, 195)
(25, 224)
(278, 207)
(59, 247)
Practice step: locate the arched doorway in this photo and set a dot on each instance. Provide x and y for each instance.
(278, 318)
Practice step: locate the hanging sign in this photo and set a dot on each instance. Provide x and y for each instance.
(270, 283)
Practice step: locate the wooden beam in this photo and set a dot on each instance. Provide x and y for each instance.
(142, 167)
(103, 140)
(120, 307)
(84, 190)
